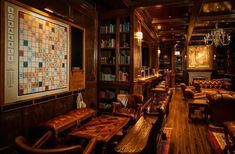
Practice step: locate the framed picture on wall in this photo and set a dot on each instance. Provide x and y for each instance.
(200, 57)
(36, 54)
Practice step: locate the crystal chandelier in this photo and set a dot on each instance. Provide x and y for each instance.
(217, 37)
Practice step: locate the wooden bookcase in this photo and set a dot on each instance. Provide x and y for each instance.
(114, 59)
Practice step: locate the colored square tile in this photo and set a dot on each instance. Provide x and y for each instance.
(40, 64)
(25, 42)
(40, 26)
(25, 64)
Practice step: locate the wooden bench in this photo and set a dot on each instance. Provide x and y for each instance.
(136, 139)
(67, 120)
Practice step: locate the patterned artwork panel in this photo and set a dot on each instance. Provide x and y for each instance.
(42, 54)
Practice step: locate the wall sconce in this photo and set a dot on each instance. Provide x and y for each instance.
(214, 57)
(139, 36)
(158, 51)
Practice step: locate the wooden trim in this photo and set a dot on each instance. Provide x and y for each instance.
(83, 69)
(86, 9)
(43, 13)
(114, 13)
(117, 52)
(165, 3)
(38, 100)
(96, 46)
(195, 13)
(2, 52)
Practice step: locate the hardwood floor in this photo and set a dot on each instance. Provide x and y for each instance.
(187, 137)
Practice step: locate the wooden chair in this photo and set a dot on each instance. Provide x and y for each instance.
(24, 147)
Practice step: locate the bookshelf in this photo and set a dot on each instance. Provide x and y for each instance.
(114, 65)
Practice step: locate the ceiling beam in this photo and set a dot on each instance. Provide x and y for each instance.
(172, 32)
(193, 18)
(217, 18)
(170, 20)
(127, 2)
(160, 3)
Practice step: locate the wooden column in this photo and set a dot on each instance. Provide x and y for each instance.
(173, 65)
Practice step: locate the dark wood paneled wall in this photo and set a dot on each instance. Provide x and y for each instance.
(24, 120)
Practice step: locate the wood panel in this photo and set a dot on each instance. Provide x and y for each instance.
(137, 62)
(24, 121)
(77, 79)
(1, 53)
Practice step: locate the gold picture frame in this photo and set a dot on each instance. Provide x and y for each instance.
(199, 57)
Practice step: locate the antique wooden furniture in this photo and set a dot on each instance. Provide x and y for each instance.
(24, 147)
(103, 128)
(197, 104)
(129, 105)
(67, 120)
(137, 138)
(229, 131)
(115, 52)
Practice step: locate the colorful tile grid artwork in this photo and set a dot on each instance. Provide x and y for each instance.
(43, 55)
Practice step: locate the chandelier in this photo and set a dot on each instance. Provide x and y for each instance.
(217, 37)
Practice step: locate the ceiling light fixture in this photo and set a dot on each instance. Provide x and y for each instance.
(217, 37)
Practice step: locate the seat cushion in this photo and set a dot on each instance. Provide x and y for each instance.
(67, 120)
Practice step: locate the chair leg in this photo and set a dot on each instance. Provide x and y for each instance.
(228, 144)
(43, 139)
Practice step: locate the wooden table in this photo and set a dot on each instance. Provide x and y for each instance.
(103, 128)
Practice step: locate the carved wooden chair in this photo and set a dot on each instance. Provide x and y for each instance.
(25, 147)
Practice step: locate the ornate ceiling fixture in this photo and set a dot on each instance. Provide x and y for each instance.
(217, 37)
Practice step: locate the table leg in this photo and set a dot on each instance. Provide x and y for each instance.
(206, 114)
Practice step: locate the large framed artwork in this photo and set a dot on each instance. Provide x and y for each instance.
(36, 54)
(199, 57)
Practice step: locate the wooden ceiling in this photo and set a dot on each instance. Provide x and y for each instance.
(189, 21)
(181, 21)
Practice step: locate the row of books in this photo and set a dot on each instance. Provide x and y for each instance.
(124, 59)
(107, 60)
(107, 94)
(123, 76)
(107, 77)
(125, 27)
(123, 91)
(107, 29)
(108, 43)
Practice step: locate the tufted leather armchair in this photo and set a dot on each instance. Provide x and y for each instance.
(129, 105)
(222, 107)
(188, 92)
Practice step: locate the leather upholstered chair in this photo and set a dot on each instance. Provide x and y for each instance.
(129, 105)
(24, 147)
(188, 92)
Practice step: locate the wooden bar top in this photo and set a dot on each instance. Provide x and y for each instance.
(148, 78)
(103, 128)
